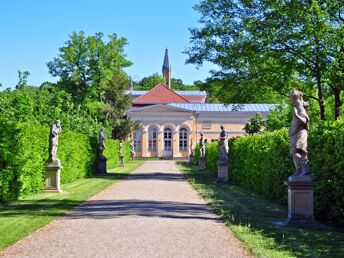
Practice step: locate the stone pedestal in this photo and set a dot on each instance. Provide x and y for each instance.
(101, 169)
(191, 159)
(300, 201)
(53, 176)
(222, 173)
(121, 161)
(201, 164)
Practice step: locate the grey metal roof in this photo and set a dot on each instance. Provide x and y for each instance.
(206, 107)
(191, 92)
(180, 92)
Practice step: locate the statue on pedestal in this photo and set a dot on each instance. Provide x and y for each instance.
(223, 147)
(202, 153)
(202, 147)
(101, 142)
(191, 156)
(55, 130)
(101, 158)
(298, 133)
(121, 148)
(132, 149)
(53, 166)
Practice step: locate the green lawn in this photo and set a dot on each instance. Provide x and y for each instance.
(251, 218)
(27, 215)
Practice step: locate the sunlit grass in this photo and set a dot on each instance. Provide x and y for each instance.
(251, 217)
(27, 215)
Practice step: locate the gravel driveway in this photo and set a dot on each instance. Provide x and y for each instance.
(153, 212)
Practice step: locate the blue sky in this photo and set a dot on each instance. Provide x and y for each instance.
(32, 31)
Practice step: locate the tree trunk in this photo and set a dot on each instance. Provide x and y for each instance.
(318, 76)
(337, 102)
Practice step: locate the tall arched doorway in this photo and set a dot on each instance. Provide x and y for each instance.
(168, 142)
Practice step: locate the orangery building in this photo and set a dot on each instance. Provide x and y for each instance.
(173, 120)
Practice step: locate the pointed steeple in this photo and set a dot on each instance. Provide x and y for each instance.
(166, 70)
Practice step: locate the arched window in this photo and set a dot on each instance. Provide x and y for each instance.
(152, 139)
(183, 139)
(137, 141)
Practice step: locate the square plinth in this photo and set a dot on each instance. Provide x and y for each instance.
(301, 202)
(222, 174)
(101, 169)
(52, 178)
(201, 164)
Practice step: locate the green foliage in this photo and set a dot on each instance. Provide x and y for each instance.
(87, 63)
(78, 154)
(279, 118)
(43, 106)
(24, 152)
(255, 125)
(265, 48)
(197, 153)
(261, 163)
(22, 76)
(111, 152)
(326, 152)
(211, 156)
(150, 81)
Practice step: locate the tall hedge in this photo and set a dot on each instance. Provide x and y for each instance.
(262, 162)
(24, 152)
(326, 155)
(111, 152)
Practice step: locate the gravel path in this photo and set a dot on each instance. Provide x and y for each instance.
(152, 213)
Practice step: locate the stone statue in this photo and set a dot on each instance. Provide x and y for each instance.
(202, 147)
(101, 142)
(191, 148)
(121, 148)
(54, 138)
(132, 149)
(298, 133)
(223, 147)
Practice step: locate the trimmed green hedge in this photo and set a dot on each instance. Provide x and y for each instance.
(24, 152)
(262, 162)
(211, 156)
(111, 152)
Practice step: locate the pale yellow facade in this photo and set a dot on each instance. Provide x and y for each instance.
(163, 118)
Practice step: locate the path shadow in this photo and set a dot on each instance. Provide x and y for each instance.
(240, 207)
(145, 176)
(100, 209)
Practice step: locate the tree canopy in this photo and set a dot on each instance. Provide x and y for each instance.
(264, 48)
(91, 70)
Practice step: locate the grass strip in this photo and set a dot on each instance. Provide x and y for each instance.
(24, 216)
(251, 217)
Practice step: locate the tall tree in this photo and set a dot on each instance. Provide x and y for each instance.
(86, 63)
(264, 45)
